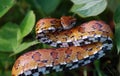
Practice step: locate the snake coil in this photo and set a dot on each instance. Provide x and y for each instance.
(75, 46)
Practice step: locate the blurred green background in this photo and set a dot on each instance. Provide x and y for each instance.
(17, 32)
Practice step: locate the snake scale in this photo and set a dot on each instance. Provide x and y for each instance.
(75, 46)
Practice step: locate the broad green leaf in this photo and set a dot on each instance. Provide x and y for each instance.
(49, 5)
(5, 5)
(81, 1)
(19, 38)
(117, 16)
(113, 4)
(8, 37)
(89, 7)
(117, 27)
(24, 46)
(45, 6)
(27, 24)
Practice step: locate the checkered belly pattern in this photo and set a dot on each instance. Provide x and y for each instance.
(75, 47)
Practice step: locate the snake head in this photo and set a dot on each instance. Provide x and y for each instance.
(67, 22)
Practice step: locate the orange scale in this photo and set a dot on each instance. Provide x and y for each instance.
(79, 56)
(61, 54)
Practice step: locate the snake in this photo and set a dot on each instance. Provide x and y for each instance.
(72, 46)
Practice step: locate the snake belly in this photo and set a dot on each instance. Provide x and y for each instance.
(75, 47)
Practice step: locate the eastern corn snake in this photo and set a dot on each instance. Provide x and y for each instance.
(76, 46)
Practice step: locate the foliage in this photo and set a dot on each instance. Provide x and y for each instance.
(117, 28)
(87, 8)
(12, 35)
(5, 5)
(18, 17)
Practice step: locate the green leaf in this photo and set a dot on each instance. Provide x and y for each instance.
(24, 46)
(49, 5)
(87, 8)
(5, 5)
(19, 36)
(45, 6)
(117, 15)
(81, 1)
(8, 37)
(117, 27)
(27, 24)
(113, 4)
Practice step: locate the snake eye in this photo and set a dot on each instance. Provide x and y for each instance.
(70, 24)
(73, 22)
(67, 22)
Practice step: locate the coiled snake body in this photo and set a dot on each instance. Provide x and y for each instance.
(78, 46)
